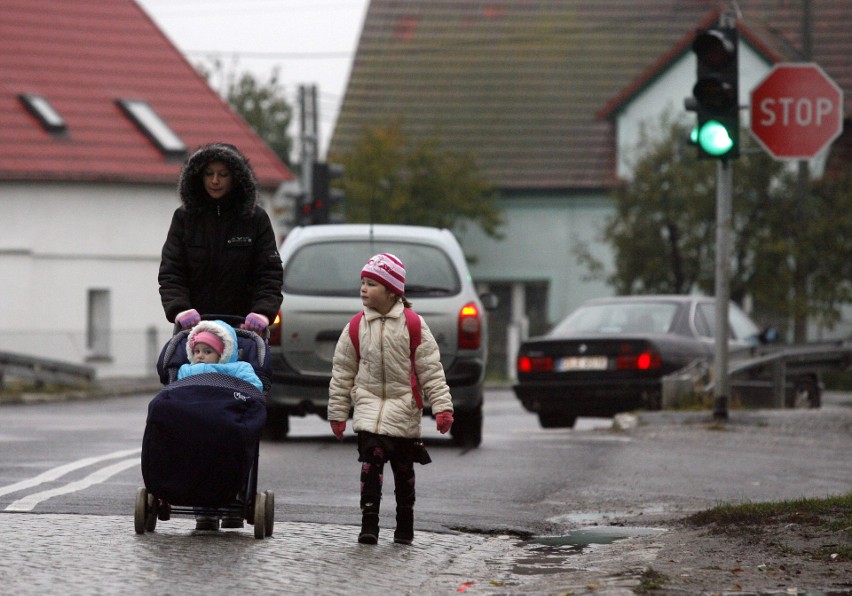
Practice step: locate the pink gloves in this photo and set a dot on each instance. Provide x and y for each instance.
(188, 318)
(255, 322)
(337, 427)
(444, 421)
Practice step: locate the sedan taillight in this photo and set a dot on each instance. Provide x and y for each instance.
(535, 364)
(643, 361)
(470, 327)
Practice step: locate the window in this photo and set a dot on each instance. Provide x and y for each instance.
(326, 269)
(45, 113)
(98, 325)
(150, 123)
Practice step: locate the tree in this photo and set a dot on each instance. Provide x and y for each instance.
(389, 179)
(790, 257)
(261, 104)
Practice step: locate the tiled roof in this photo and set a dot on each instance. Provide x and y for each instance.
(83, 56)
(527, 86)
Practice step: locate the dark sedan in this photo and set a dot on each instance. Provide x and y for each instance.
(610, 354)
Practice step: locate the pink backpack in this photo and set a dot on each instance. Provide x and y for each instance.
(412, 321)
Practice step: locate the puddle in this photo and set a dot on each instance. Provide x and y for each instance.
(600, 517)
(551, 554)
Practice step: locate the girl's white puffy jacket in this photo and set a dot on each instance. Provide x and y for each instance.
(379, 386)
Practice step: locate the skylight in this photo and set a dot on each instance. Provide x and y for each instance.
(154, 127)
(45, 113)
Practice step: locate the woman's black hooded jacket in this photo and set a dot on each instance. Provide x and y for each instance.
(220, 256)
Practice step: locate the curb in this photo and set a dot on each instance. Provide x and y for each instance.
(104, 388)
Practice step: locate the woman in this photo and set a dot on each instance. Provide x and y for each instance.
(220, 254)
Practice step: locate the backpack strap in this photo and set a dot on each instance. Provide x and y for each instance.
(412, 321)
(354, 324)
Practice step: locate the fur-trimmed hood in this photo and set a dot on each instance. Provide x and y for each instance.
(221, 330)
(191, 184)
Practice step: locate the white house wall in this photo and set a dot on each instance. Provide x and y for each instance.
(58, 242)
(541, 237)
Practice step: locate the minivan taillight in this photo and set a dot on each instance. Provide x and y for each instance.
(470, 327)
(275, 331)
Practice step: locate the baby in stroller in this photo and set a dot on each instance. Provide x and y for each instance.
(201, 441)
(212, 347)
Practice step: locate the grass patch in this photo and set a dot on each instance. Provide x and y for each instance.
(830, 517)
(650, 580)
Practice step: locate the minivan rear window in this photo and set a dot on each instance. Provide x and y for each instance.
(333, 268)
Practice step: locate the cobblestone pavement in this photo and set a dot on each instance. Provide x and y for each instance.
(84, 554)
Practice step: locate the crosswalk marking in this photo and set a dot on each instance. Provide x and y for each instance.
(30, 501)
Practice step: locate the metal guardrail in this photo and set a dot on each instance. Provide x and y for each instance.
(775, 365)
(41, 371)
(767, 367)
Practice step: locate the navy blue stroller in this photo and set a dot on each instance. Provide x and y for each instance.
(202, 440)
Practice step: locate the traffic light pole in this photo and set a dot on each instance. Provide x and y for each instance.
(724, 192)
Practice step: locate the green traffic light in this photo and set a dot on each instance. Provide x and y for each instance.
(693, 135)
(714, 139)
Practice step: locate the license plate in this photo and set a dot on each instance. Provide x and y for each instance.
(581, 363)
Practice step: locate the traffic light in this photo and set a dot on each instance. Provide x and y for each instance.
(325, 198)
(716, 93)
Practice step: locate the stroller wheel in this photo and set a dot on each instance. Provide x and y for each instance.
(140, 515)
(269, 513)
(151, 513)
(260, 515)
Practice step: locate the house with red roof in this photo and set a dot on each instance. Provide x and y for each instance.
(550, 97)
(98, 111)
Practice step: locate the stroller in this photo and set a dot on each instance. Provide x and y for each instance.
(202, 440)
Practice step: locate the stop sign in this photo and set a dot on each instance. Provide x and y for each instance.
(796, 111)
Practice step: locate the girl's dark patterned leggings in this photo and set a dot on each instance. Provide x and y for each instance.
(372, 476)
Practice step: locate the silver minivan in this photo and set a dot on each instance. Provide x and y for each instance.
(322, 266)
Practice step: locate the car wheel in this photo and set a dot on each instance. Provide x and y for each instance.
(654, 400)
(556, 419)
(806, 394)
(277, 424)
(467, 428)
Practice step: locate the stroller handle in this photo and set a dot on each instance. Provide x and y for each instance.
(233, 320)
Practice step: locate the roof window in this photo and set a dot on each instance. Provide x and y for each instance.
(45, 113)
(154, 127)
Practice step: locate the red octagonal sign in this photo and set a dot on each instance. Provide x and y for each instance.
(796, 111)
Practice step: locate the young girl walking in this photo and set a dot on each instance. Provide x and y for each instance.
(375, 378)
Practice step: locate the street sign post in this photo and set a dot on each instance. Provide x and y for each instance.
(796, 111)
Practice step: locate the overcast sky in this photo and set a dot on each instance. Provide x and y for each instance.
(311, 42)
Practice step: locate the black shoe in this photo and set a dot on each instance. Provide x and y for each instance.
(206, 522)
(369, 528)
(232, 522)
(404, 533)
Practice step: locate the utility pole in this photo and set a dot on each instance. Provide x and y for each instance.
(309, 139)
(803, 191)
(724, 194)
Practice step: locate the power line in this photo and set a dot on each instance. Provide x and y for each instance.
(333, 55)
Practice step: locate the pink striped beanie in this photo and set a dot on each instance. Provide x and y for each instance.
(388, 271)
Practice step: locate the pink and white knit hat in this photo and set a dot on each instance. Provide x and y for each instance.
(388, 271)
(206, 337)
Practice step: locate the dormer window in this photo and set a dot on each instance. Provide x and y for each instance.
(154, 127)
(45, 113)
